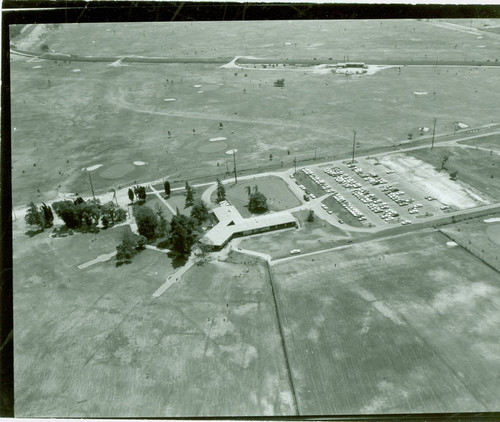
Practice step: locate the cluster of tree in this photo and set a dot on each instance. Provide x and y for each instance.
(86, 215)
(221, 191)
(310, 217)
(42, 216)
(189, 196)
(180, 234)
(257, 203)
(280, 83)
(166, 187)
(131, 245)
(139, 192)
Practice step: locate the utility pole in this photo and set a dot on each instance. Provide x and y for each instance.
(315, 154)
(234, 159)
(295, 164)
(91, 187)
(433, 133)
(353, 146)
(227, 167)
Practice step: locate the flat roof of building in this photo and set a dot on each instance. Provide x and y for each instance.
(232, 222)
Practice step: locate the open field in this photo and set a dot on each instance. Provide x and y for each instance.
(358, 39)
(279, 196)
(95, 342)
(68, 116)
(308, 238)
(478, 168)
(479, 237)
(401, 325)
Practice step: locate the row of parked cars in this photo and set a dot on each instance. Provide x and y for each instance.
(371, 178)
(376, 205)
(316, 179)
(342, 178)
(397, 195)
(349, 207)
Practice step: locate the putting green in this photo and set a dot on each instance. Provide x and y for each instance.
(213, 147)
(116, 171)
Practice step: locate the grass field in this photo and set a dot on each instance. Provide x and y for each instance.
(279, 196)
(95, 342)
(66, 120)
(477, 168)
(308, 238)
(401, 325)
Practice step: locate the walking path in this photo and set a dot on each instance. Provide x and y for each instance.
(174, 278)
(162, 199)
(100, 258)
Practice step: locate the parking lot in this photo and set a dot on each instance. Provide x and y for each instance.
(372, 192)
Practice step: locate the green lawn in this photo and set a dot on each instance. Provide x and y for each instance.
(308, 238)
(65, 120)
(95, 343)
(401, 325)
(278, 194)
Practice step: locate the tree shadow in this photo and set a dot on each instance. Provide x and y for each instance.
(177, 260)
(32, 233)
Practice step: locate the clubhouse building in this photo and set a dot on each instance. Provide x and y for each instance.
(231, 224)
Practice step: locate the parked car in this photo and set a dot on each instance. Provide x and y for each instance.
(295, 251)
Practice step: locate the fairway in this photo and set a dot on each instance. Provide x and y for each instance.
(339, 315)
(402, 325)
(65, 121)
(95, 342)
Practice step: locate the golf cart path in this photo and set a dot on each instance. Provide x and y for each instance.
(162, 199)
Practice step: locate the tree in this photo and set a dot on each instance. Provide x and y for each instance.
(48, 215)
(44, 47)
(444, 160)
(162, 226)
(166, 186)
(280, 83)
(310, 216)
(221, 191)
(112, 213)
(182, 234)
(257, 203)
(33, 216)
(147, 222)
(453, 175)
(140, 192)
(131, 195)
(189, 196)
(199, 212)
(66, 210)
(249, 190)
(131, 244)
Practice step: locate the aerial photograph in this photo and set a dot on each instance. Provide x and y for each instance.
(256, 218)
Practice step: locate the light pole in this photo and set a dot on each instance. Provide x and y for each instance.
(295, 164)
(234, 159)
(353, 146)
(433, 133)
(91, 187)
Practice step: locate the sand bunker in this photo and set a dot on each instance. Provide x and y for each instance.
(219, 138)
(76, 70)
(197, 86)
(462, 125)
(170, 99)
(37, 67)
(94, 167)
(116, 171)
(420, 92)
(451, 243)
(231, 151)
(213, 147)
(139, 163)
(492, 220)
(288, 43)
(200, 92)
